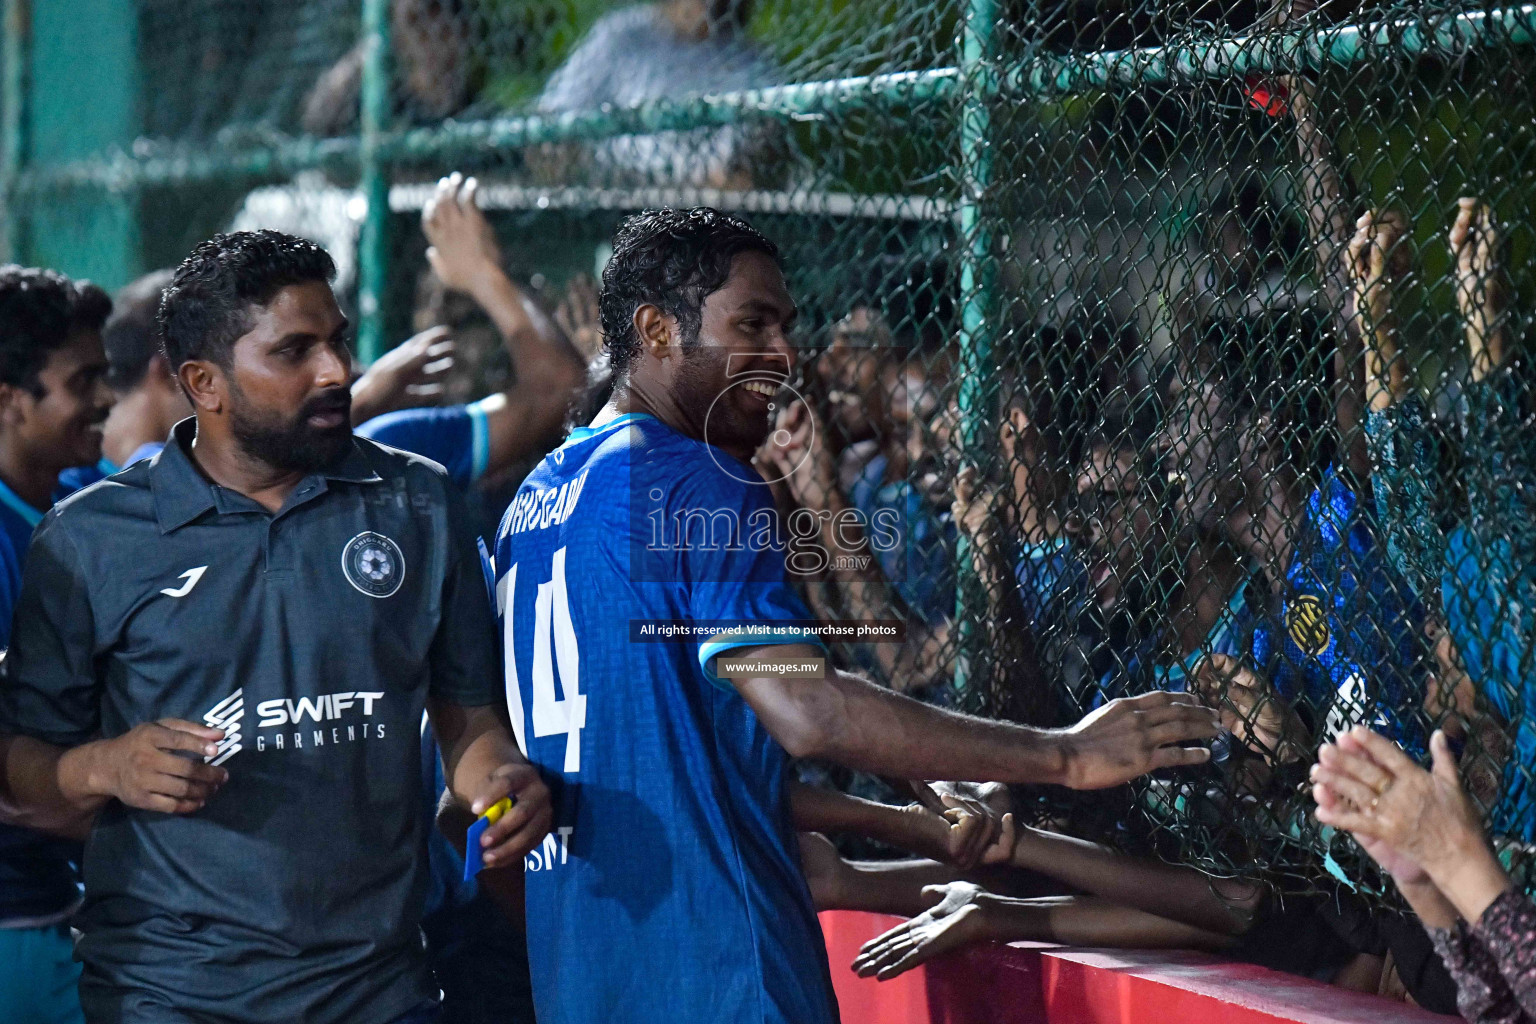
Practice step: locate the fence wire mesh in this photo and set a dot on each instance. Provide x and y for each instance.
(1152, 345)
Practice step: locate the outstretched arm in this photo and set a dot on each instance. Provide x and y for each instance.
(548, 370)
(962, 913)
(954, 836)
(843, 718)
(1173, 891)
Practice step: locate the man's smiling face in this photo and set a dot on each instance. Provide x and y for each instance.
(726, 382)
(64, 418)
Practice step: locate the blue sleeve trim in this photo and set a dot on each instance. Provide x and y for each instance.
(14, 502)
(722, 642)
(480, 440)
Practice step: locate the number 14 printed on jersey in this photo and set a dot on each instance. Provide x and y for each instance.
(552, 628)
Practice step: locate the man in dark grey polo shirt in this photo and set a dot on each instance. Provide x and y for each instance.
(223, 654)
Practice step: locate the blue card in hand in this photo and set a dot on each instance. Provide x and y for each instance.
(473, 854)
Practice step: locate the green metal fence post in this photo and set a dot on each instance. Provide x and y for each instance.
(82, 100)
(13, 99)
(373, 243)
(978, 274)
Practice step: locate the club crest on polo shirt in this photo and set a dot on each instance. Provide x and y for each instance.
(373, 564)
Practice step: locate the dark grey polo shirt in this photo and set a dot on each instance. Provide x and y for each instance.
(312, 636)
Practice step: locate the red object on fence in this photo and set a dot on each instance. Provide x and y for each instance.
(1036, 983)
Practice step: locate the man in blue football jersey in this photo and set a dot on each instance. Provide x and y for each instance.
(482, 438)
(662, 672)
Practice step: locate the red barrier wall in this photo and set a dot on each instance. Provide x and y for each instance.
(1034, 983)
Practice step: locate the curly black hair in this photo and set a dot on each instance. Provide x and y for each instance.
(672, 259)
(40, 310)
(207, 306)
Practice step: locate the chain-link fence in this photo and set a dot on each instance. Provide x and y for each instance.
(1146, 343)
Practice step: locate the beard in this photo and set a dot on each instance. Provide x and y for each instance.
(702, 394)
(291, 444)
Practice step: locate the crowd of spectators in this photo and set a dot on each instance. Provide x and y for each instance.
(1264, 521)
(1253, 515)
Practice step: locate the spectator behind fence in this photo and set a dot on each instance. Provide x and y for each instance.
(345, 595)
(435, 65)
(1033, 581)
(1476, 564)
(483, 438)
(1335, 632)
(1422, 829)
(852, 470)
(52, 404)
(669, 50)
(1128, 611)
(1307, 936)
(1069, 602)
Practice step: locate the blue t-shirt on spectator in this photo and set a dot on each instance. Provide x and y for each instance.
(1482, 568)
(912, 541)
(81, 477)
(457, 437)
(1488, 593)
(1346, 641)
(1053, 583)
(17, 521)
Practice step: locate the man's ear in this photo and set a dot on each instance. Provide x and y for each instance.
(657, 330)
(15, 403)
(205, 384)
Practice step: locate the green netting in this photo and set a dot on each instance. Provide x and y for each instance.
(1089, 262)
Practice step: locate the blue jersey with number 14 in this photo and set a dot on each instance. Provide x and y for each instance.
(671, 889)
